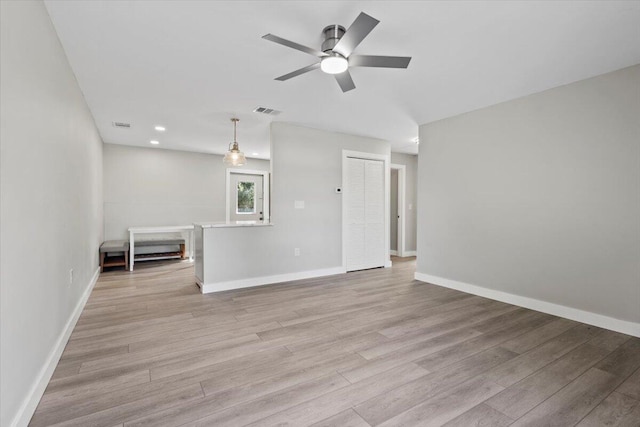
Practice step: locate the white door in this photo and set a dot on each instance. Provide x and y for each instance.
(246, 197)
(365, 214)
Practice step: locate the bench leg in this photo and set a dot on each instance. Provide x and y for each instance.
(182, 251)
(102, 255)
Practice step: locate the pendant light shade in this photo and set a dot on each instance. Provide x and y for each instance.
(234, 156)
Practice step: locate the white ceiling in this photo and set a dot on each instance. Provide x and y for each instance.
(192, 65)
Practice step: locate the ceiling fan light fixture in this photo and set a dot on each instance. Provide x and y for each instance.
(234, 156)
(334, 64)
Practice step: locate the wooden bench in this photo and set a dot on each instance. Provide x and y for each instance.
(114, 247)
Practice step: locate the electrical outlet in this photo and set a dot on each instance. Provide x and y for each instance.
(70, 276)
(296, 251)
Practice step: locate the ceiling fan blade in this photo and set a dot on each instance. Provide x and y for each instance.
(345, 81)
(354, 35)
(379, 61)
(293, 45)
(298, 72)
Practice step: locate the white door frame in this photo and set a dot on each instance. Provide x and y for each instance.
(345, 193)
(265, 190)
(402, 185)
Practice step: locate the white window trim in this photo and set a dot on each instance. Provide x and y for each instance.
(265, 191)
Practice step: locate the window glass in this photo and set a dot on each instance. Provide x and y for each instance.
(246, 198)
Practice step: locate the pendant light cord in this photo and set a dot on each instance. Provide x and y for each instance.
(235, 142)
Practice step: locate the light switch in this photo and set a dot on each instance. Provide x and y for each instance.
(299, 204)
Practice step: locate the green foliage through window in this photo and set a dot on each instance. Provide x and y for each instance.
(246, 197)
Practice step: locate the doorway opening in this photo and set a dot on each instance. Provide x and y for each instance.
(397, 221)
(247, 195)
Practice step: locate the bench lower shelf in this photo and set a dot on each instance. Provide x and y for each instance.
(114, 261)
(158, 256)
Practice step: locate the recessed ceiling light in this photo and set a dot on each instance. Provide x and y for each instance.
(255, 154)
(154, 142)
(160, 128)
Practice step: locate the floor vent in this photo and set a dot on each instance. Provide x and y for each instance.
(121, 125)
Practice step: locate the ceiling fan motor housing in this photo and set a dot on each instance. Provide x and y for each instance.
(332, 35)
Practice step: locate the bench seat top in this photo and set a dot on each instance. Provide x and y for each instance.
(114, 246)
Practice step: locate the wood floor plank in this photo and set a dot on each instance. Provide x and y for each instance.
(524, 365)
(615, 410)
(480, 416)
(154, 358)
(408, 354)
(519, 398)
(330, 404)
(447, 406)
(510, 326)
(609, 340)
(624, 360)
(631, 419)
(568, 406)
(138, 407)
(347, 418)
(526, 342)
(440, 326)
(246, 413)
(68, 392)
(631, 387)
(387, 405)
(216, 399)
(365, 348)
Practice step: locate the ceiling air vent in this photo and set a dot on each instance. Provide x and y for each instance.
(121, 125)
(268, 111)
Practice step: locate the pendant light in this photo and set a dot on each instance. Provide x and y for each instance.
(234, 156)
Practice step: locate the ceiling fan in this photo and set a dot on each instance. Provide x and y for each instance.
(336, 51)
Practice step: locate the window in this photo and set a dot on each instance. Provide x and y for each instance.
(246, 200)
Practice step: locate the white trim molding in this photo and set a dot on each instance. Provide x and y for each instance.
(266, 192)
(267, 280)
(401, 191)
(602, 321)
(410, 253)
(30, 403)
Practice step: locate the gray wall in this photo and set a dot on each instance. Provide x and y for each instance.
(307, 166)
(146, 187)
(411, 163)
(51, 200)
(540, 196)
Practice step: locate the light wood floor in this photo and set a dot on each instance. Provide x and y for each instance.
(367, 348)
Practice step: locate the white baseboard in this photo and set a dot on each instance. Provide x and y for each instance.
(622, 326)
(267, 280)
(30, 403)
(409, 253)
(393, 252)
